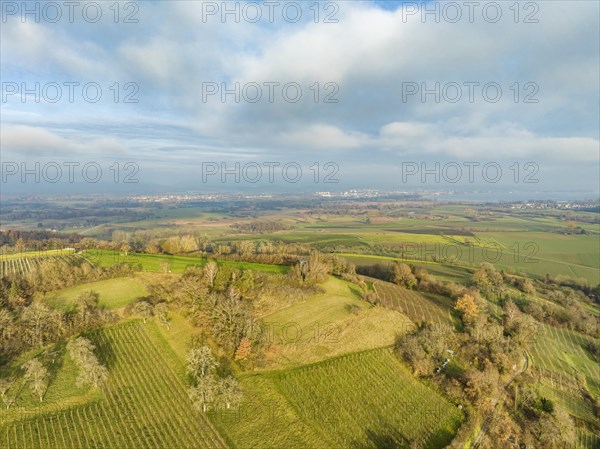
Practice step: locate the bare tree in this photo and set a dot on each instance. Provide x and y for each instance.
(142, 308)
(204, 393)
(161, 312)
(37, 375)
(36, 319)
(95, 374)
(87, 304)
(210, 272)
(7, 330)
(91, 372)
(230, 320)
(403, 275)
(229, 392)
(200, 362)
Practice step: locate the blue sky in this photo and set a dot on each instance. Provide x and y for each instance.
(369, 57)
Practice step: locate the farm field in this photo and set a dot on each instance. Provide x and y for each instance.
(540, 253)
(416, 305)
(533, 246)
(320, 372)
(251, 230)
(113, 293)
(366, 399)
(44, 253)
(329, 324)
(369, 400)
(144, 404)
(563, 358)
(175, 264)
(452, 273)
(24, 264)
(265, 419)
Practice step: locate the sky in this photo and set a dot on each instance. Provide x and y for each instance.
(169, 96)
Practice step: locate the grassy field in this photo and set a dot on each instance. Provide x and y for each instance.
(174, 264)
(327, 377)
(565, 369)
(362, 400)
(416, 305)
(538, 253)
(329, 324)
(587, 440)
(561, 356)
(369, 400)
(532, 245)
(62, 391)
(44, 253)
(265, 419)
(452, 273)
(144, 405)
(114, 293)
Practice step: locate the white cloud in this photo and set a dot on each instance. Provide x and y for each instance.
(369, 54)
(23, 141)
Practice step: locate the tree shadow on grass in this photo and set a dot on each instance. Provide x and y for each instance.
(104, 351)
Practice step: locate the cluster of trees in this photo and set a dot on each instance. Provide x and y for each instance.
(522, 283)
(226, 302)
(565, 310)
(528, 419)
(55, 273)
(209, 391)
(489, 348)
(425, 348)
(568, 310)
(493, 345)
(91, 371)
(183, 244)
(218, 299)
(580, 284)
(260, 251)
(25, 323)
(150, 307)
(411, 277)
(17, 241)
(488, 280)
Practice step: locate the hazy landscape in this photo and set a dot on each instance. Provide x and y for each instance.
(300, 225)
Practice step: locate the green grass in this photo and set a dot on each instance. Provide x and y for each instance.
(561, 358)
(114, 293)
(452, 273)
(419, 307)
(179, 334)
(329, 324)
(144, 404)
(362, 400)
(369, 400)
(175, 264)
(569, 400)
(265, 419)
(587, 440)
(501, 240)
(61, 391)
(45, 253)
(554, 253)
